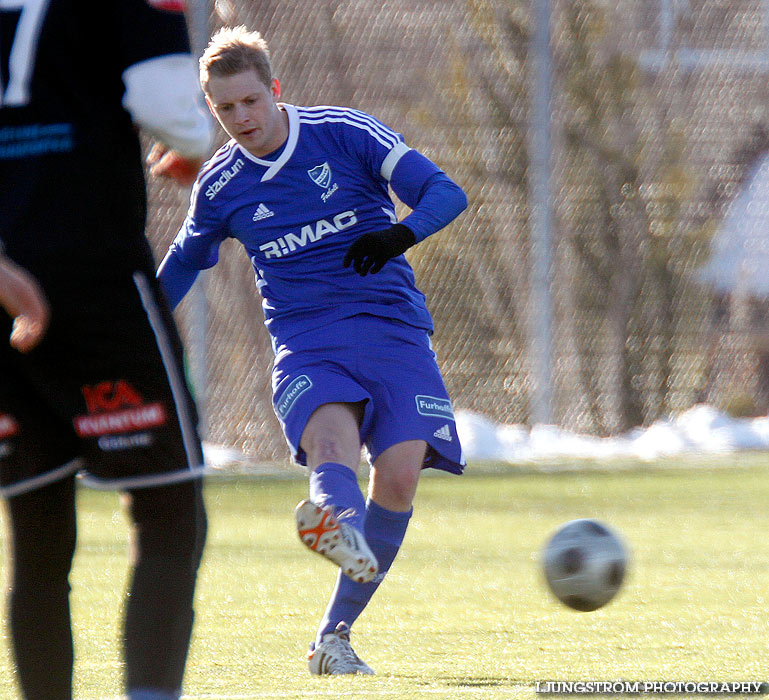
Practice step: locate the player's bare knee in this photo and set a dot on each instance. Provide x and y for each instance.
(331, 444)
(405, 488)
(326, 448)
(395, 489)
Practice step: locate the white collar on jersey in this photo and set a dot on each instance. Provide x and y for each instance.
(274, 166)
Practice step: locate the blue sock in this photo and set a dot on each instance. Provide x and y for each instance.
(150, 694)
(384, 530)
(335, 485)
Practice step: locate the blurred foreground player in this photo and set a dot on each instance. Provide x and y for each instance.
(103, 394)
(305, 190)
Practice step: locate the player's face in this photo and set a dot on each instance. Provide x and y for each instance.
(247, 110)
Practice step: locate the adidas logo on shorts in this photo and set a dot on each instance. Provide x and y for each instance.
(262, 212)
(443, 433)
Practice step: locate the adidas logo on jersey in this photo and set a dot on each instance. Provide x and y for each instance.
(262, 212)
(443, 433)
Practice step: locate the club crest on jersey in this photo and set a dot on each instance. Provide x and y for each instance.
(322, 177)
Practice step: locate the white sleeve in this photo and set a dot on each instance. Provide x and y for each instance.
(163, 96)
(388, 165)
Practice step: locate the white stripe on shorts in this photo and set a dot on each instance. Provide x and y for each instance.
(175, 378)
(140, 482)
(37, 482)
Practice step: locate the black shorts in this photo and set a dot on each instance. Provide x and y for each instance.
(104, 394)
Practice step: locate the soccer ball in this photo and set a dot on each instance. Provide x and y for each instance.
(584, 564)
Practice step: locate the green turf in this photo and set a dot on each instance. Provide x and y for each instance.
(464, 613)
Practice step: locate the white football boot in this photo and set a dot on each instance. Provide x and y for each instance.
(336, 540)
(335, 656)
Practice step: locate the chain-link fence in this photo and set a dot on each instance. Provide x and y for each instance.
(659, 124)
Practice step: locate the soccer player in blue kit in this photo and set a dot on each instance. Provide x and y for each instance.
(305, 190)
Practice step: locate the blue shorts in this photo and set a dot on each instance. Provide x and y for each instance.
(387, 364)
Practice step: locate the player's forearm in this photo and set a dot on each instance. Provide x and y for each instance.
(442, 201)
(25, 302)
(435, 199)
(175, 278)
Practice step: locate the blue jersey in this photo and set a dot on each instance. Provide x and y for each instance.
(297, 211)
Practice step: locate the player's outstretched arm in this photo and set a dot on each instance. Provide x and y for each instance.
(176, 279)
(22, 297)
(435, 200)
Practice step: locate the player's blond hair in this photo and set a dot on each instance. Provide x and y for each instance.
(234, 50)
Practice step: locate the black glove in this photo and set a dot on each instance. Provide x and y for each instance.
(372, 250)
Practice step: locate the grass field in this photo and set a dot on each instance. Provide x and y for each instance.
(464, 613)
